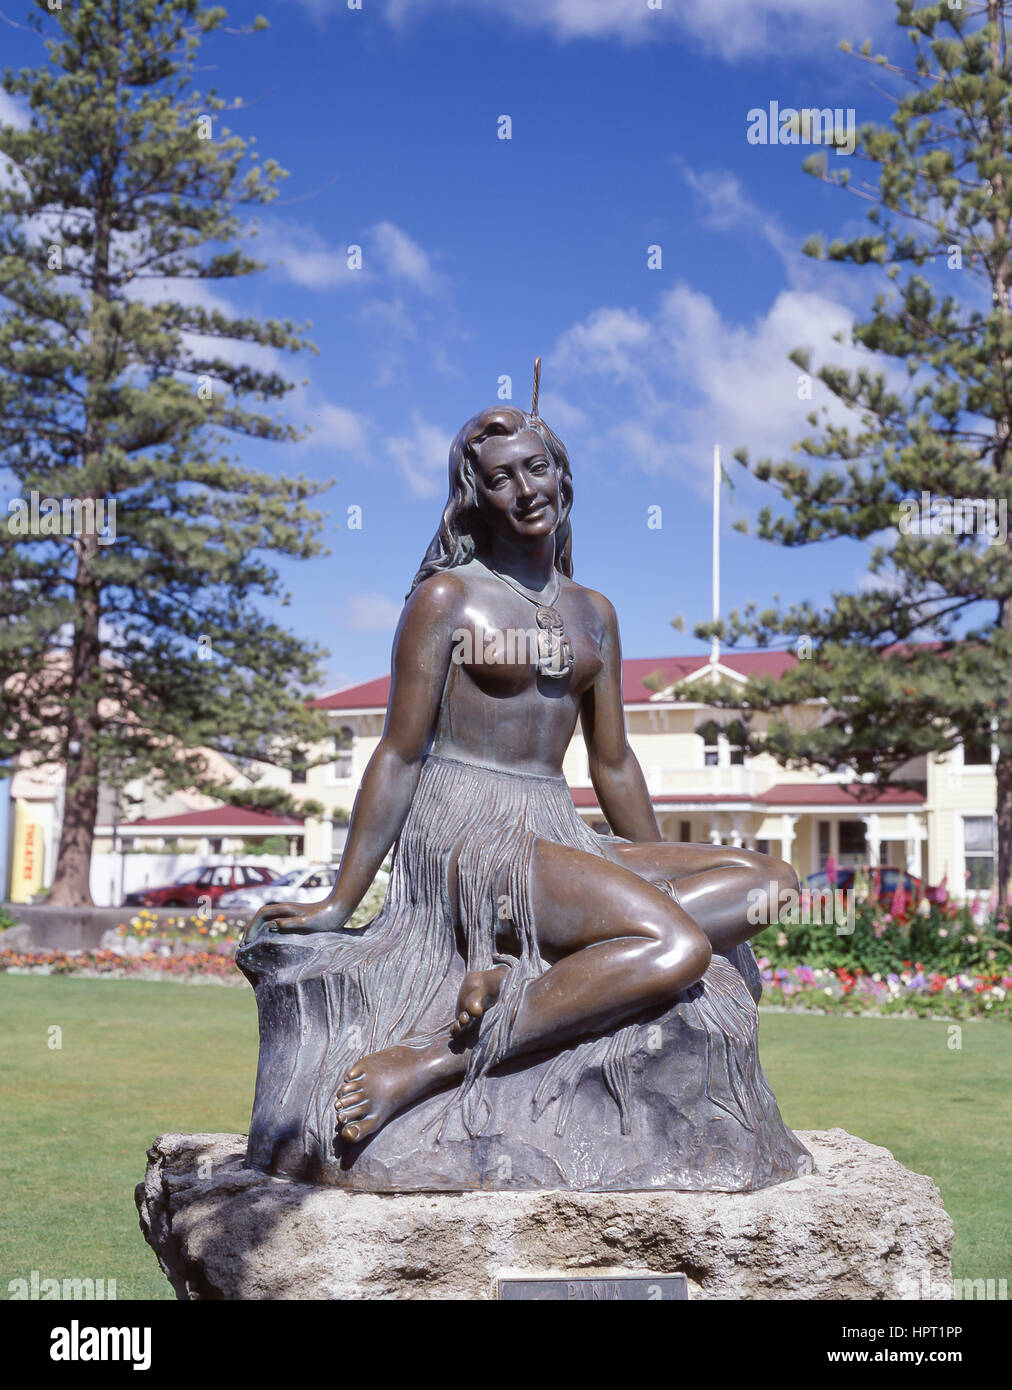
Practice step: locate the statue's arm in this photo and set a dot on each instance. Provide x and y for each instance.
(614, 768)
(421, 657)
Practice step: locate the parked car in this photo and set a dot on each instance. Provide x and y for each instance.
(308, 885)
(198, 885)
(882, 881)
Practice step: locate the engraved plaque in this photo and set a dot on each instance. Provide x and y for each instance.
(581, 1289)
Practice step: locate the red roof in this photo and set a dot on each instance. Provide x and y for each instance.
(371, 695)
(218, 815)
(375, 693)
(676, 668)
(838, 794)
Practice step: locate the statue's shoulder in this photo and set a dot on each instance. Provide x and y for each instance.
(441, 597)
(602, 606)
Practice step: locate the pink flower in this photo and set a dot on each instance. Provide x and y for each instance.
(942, 891)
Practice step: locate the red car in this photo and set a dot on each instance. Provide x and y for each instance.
(199, 885)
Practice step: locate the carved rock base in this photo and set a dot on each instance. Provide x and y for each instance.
(699, 1115)
(860, 1227)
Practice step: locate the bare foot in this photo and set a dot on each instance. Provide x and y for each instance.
(380, 1085)
(479, 989)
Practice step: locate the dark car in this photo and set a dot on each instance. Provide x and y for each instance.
(883, 883)
(200, 885)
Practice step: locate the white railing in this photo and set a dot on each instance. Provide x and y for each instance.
(708, 781)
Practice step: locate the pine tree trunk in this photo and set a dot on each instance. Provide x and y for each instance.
(1002, 439)
(72, 883)
(72, 879)
(1004, 779)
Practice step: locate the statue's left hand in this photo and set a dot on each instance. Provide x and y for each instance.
(320, 917)
(270, 916)
(297, 918)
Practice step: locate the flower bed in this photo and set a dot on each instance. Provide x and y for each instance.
(906, 992)
(933, 959)
(192, 927)
(193, 966)
(913, 992)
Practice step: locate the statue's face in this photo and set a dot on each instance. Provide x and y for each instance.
(518, 488)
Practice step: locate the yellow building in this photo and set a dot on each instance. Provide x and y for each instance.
(705, 789)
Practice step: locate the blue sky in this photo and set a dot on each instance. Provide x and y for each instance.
(628, 130)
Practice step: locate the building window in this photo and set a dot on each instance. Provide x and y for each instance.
(737, 737)
(685, 831)
(710, 734)
(825, 842)
(723, 744)
(853, 844)
(978, 851)
(977, 749)
(344, 753)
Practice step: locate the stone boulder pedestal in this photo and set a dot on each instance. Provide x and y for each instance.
(860, 1226)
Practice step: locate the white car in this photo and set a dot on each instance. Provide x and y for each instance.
(310, 885)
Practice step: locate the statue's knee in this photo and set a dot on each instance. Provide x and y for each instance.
(684, 956)
(769, 870)
(787, 877)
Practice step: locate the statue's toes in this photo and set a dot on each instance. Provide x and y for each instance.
(353, 1111)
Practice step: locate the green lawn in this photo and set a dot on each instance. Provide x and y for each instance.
(139, 1058)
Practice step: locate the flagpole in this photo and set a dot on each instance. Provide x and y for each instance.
(715, 641)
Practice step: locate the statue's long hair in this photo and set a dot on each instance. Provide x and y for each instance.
(461, 532)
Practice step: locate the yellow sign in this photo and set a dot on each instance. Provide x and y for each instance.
(27, 866)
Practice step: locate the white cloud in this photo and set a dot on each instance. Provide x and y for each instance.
(609, 341)
(327, 424)
(686, 377)
(559, 412)
(731, 29)
(421, 457)
(372, 613)
(315, 266)
(403, 258)
(305, 258)
(14, 111)
(336, 426)
(723, 204)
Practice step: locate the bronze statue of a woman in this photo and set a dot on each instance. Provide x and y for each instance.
(565, 935)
